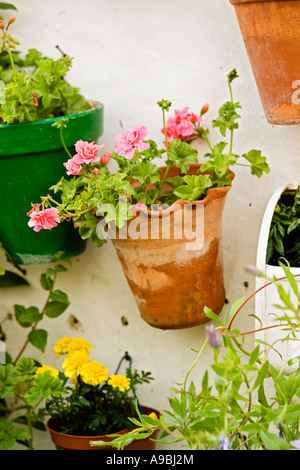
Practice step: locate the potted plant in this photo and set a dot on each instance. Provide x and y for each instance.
(41, 117)
(95, 403)
(279, 241)
(270, 30)
(21, 392)
(164, 221)
(243, 402)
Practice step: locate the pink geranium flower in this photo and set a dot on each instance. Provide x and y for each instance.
(73, 168)
(181, 126)
(86, 152)
(44, 219)
(130, 141)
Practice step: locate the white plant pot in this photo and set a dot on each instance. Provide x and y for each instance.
(268, 297)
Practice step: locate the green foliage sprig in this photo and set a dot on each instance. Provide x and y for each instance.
(17, 376)
(233, 411)
(34, 87)
(22, 382)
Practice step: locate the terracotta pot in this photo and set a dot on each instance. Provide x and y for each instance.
(71, 442)
(174, 275)
(271, 32)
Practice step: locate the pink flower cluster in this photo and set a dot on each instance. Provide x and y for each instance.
(130, 141)
(43, 219)
(182, 125)
(86, 152)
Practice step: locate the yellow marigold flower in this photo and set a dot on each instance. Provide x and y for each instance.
(119, 381)
(93, 373)
(153, 415)
(43, 369)
(66, 345)
(74, 361)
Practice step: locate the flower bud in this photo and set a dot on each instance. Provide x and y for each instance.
(11, 19)
(254, 271)
(96, 171)
(213, 336)
(104, 160)
(204, 109)
(2, 24)
(35, 100)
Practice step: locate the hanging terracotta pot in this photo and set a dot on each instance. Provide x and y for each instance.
(271, 32)
(31, 158)
(173, 263)
(71, 442)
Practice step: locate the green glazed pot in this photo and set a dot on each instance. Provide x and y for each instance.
(31, 161)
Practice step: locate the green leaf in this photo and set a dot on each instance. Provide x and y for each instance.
(44, 385)
(185, 193)
(26, 368)
(19, 311)
(232, 75)
(273, 442)
(38, 338)
(7, 6)
(261, 374)
(258, 163)
(10, 279)
(235, 306)
(210, 314)
(8, 379)
(291, 279)
(59, 296)
(30, 315)
(46, 282)
(54, 309)
(10, 434)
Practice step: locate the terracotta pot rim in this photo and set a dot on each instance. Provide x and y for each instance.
(57, 433)
(241, 2)
(122, 431)
(211, 194)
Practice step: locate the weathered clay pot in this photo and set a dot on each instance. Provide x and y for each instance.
(271, 32)
(71, 442)
(174, 275)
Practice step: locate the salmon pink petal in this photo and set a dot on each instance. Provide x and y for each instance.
(73, 168)
(86, 152)
(44, 219)
(130, 141)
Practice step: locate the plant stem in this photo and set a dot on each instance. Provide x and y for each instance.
(207, 140)
(63, 142)
(35, 324)
(195, 363)
(11, 61)
(254, 293)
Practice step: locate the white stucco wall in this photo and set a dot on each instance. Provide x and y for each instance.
(128, 54)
